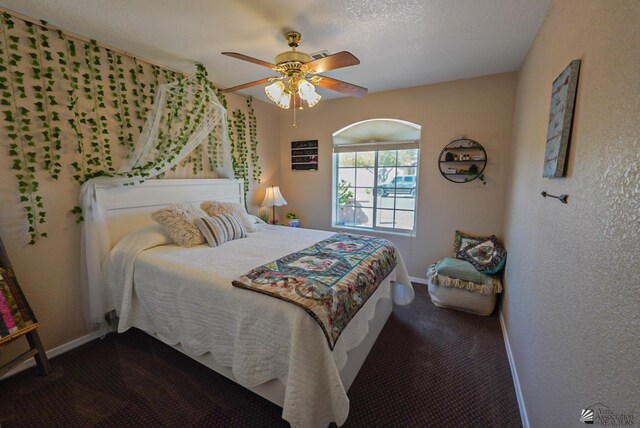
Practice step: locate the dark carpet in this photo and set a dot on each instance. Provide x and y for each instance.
(429, 367)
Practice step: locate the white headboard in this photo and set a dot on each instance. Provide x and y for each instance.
(128, 208)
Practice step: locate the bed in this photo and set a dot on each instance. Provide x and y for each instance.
(184, 297)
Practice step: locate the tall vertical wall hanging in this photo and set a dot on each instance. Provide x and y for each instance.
(563, 97)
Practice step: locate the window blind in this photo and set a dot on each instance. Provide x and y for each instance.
(370, 146)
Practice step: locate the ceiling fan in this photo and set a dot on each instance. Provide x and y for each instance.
(298, 73)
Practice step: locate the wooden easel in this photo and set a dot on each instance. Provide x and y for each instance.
(18, 315)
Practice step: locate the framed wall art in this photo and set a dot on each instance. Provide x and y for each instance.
(304, 155)
(563, 97)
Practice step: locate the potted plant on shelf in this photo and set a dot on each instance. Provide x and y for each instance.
(294, 220)
(473, 170)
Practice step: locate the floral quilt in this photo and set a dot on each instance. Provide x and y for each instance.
(331, 279)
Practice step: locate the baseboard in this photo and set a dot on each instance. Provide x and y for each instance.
(514, 374)
(418, 280)
(52, 353)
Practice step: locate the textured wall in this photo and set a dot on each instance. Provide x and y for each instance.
(480, 108)
(49, 271)
(572, 302)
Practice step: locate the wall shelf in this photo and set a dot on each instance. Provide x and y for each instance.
(470, 169)
(461, 148)
(461, 173)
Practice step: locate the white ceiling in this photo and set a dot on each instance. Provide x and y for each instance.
(400, 43)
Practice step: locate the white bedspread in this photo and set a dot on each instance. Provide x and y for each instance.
(184, 295)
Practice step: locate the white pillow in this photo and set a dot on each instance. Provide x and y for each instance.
(214, 208)
(146, 237)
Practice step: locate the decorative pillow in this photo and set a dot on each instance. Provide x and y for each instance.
(463, 240)
(178, 221)
(220, 229)
(461, 269)
(213, 208)
(488, 256)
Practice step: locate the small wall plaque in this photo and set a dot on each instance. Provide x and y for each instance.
(304, 155)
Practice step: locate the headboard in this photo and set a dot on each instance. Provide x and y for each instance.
(128, 208)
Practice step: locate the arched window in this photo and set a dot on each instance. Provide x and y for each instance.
(376, 165)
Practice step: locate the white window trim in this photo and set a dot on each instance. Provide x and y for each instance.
(374, 228)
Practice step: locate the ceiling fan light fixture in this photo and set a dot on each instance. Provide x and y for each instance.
(299, 74)
(308, 92)
(285, 101)
(276, 93)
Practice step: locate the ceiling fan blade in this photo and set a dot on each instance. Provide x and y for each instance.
(249, 59)
(332, 62)
(247, 85)
(342, 87)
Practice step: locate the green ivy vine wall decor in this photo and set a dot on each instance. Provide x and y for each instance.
(253, 139)
(65, 102)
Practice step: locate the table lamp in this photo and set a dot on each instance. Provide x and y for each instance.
(273, 198)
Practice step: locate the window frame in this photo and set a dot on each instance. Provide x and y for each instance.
(388, 230)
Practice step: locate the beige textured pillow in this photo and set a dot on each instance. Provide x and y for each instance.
(179, 222)
(214, 208)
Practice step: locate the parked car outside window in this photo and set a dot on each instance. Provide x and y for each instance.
(401, 184)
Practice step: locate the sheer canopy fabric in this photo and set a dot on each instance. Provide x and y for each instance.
(185, 114)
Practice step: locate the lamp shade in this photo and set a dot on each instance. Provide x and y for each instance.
(276, 93)
(273, 197)
(308, 93)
